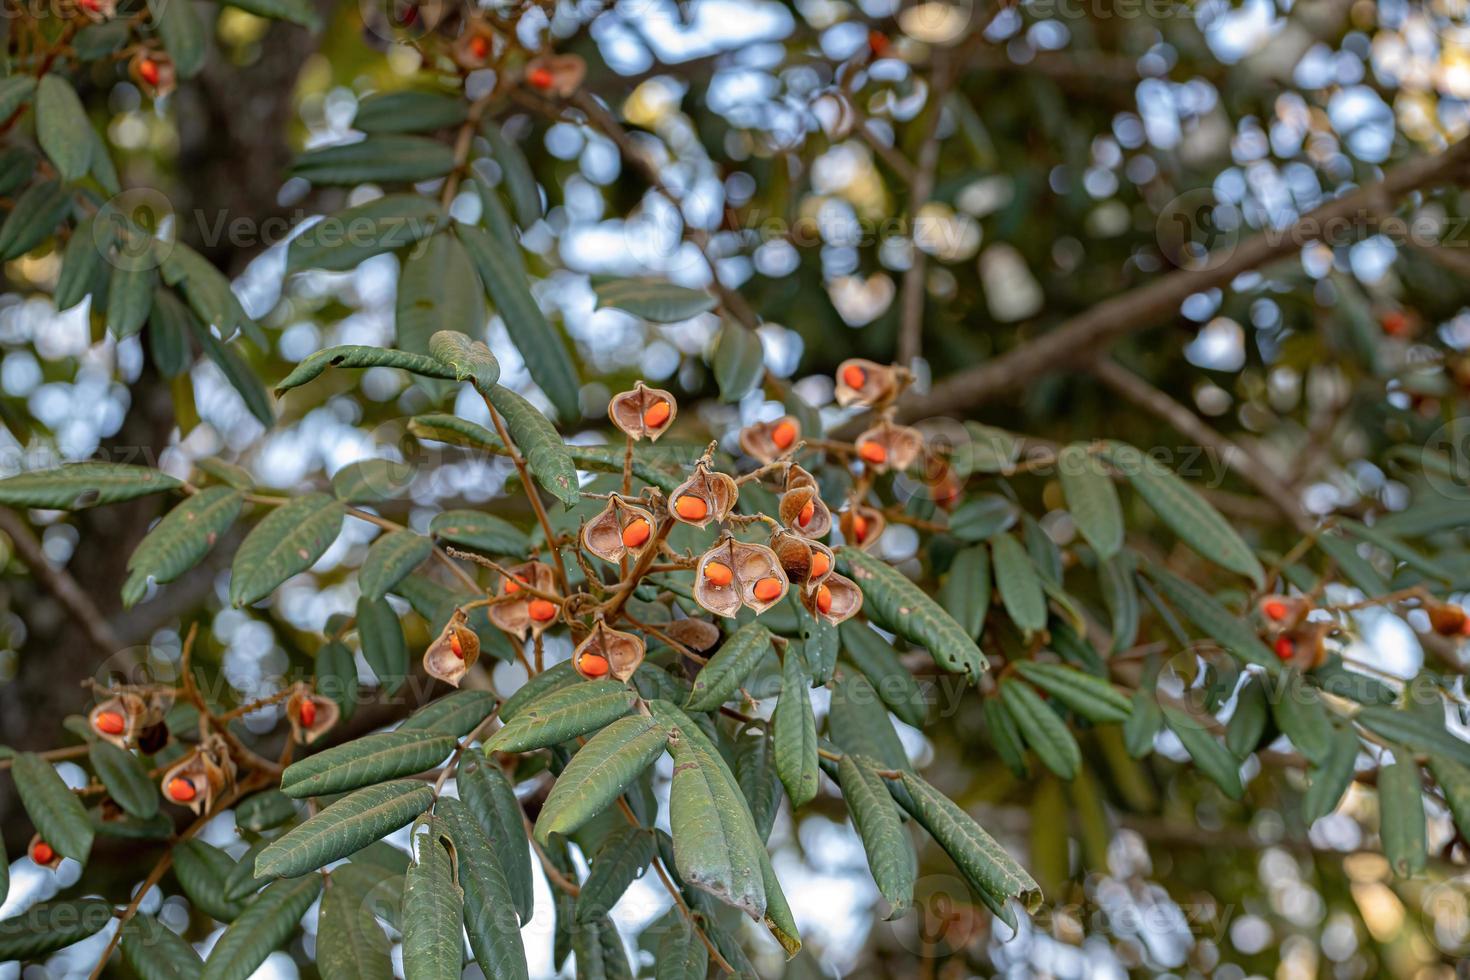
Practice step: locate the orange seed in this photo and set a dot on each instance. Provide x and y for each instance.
(479, 47)
(854, 376)
(691, 508)
(1285, 647)
(1276, 609)
(718, 574)
(824, 599)
(783, 435)
(767, 589)
(111, 723)
(42, 853)
(859, 528)
(873, 452)
(636, 532)
(820, 564)
(593, 665)
(148, 71)
(308, 713)
(542, 610)
(455, 647)
(657, 414)
(512, 586)
(807, 513)
(181, 790)
(540, 77)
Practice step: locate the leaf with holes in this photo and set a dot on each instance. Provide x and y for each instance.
(289, 540)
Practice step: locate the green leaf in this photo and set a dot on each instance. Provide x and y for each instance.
(875, 815)
(859, 724)
(1212, 758)
(237, 372)
(54, 809)
(1047, 734)
(779, 920)
(183, 33)
(620, 860)
(489, 910)
(371, 481)
(437, 291)
(336, 676)
(738, 361)
(599, 772)
(879, 663)
(350, 945)
(982, 516)
(599, 950)
(1300, 715)
(719, 680)
(156, 952)
(45, 928)
(208, 293)
(655, 300)
(1020, 585)
(470, 359)
(241, 883)
(1248, 721)
(563, 714)
(380, 635)
(1005, 737)
(965, 593)
(294, 11)
(894, 601)
(366, 760)
(680, 955)
(433, 913)
(538, 441)
(1185, 512)
(202, 872)
(795, 729)
(1401, 818)
(455, 714)
(16, 90)
(83, 263)
(1091, 697)
(357, 356)
(17, 167)
(62, 127)
(266, 923)
(1331, 778)
(377, 159)
(715, 844)
(1398, 549)
(1231, 631)
(1454, 782)
(390, 558)
(1357, 569)
(516, 172)
(556, 678)
(264, 810)
(991, 872)
(168, 332)
(1120, 595)
(341, 242)
(126, 780)
(348, 825)
(1092, 499)
(541, 346)
(1415, 731)
(74, 486)
(755, 771)
(181, 539)
(491, 798)
(289, 540)
(129, 299)
(479, 531)
(408, 112)
(34, 218)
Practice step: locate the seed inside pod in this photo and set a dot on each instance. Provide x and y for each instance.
(636, 532)
(820, 564)
(691, 508)
(767, 589)
(1285, 647)
(808, 511)
(824, 598)
(181, 790)
(783, 435)
(592, 665)
(479, 46)
(455, 647)
(542, 610)
(513, 585)
(111, 723)
(656, 414)
(308, 713)
(860, 528)
(718, 574)
(854, 376)
(540, 77)
(1275, 609)
(43, 853)
(872, 452)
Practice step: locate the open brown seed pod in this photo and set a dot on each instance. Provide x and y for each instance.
(767, 440)
(474, 47)
(1304, 647)
(887, 446)
(802, 510)
(1448, 619)
(835, 600)
(525, 612)
(560, 74)
(863, 382)
(454, 651)
(606, 652)
(621, 529)
(706, 496)
(153, 71)
(862, 525)
(797, 477)
(806, 563)
(311, 715)
(1280, 613)
(119, 718)
(734, 574)
(698, 635)
(43, 853)
(200, 776)
(644, 412)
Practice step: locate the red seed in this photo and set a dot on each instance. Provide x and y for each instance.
(824, 599)
(592, 665)
(148, 71)
(1276, 609)
(540, 77)
(181, 790)
(42, 853)
(1395, 323)
(860, 528)
(878, 44)
(873, 452)
(808, 511)
(691, 508)
(111, 723)
(455, 647)
(784, 434)
(308, 713)
(718, 574)
(543, 610)
(820, 564)
(636, 532)
(854, 376)
(479, 46)
(1285, 648)
(512, 586)
(657, 414)
(767, 589)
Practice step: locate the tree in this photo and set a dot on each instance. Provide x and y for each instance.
(611, 452)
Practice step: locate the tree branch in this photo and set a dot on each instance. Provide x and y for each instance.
(58, 581)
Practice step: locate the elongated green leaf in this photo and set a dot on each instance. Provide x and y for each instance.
(656, 300)
(599, 949)
(34, 218)
(342, 241)
(84, 263)
(336, 676)
(366, 760)
(489, 910)
(859, 724)
(1091, 697)
(348, 825)
(482, 532)
(680, 954)
(879, 663)
(241, 883)
(1120, 594)
(890, 852)
(62, 127)
(904, 608)
(719, 679)
(370, 481)
(50, 926)
(779, 920)
(380, 887)
(738, 361)
(350, 945)
(1415, 731)
(755, 771)
(539, 442)
(541, 346)
(289, 540)
(992, 872)
(380, 159)
(1005, 737)
(1454, 782)
(202, 872)
(1232, 632)
(1300, 715)
(437, 291)
(1248, 721)
(130, 298)
(17, 167)
(1331, 778)
(1092, 499)
(1401, 818)
(208, 293)
(264, 925)
(1143, 724)
(179, 541)
(715, 844)
(264, 810)
(54, 809)
(1212, 758)
(487, 792)
(965, 594)
(599, 772)
(1355, 568)
(237, 372)
(390, 558)
(15, 91)
(184, 34)
(1020, 586)
(470, 359)
(383, 646)
(796, 733)
(357, 356)
(1185, 512)
(455, 714)
(1047, 734)
(620, 860)
(983, 516)
(433, 913)
(1401, 551)
(156, 952)
(555, 678)
(408, 112)
(519, 181)
(169, 330)
(126, 780)
(564, 714)
(75, 486)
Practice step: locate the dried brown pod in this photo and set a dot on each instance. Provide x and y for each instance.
(734, 574)
(837, 599)
(559, 74)
(1304, 647)
(698, 635)
(311, 715)
(863, 382)
(803, 511)
(153, 71)
(518, 612)
(200, 776)
(706, 496)
(889, 447)
(474, 48)
(621, 529)
(119, 718)
(43, 853)
(644, 412)
(767, 440)
(607, 651)
(454, 651)
(862, 525)
(806, 563)
(1281, 613)
(1448, 619)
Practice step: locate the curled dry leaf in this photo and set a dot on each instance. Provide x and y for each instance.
(200, 776)
(1281, 613)
(644, 412)
(862, 525)
(475, 46)
(559, 74)
(706, 496)
(807, 564)
(867, 383)
(803, 511)
(835, 600)
(153, 71)
(608, 651)
(454, 651)
(311, 715)
(734, 574)
(43, 853)
(887, 446)
(698, 635)
(523, 612)
(621, 529)
(767, 440)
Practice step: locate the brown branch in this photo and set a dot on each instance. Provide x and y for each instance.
(913, 290)
(58, 581)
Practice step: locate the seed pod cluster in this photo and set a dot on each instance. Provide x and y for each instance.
(200, 776)
(621, 529)
(1305, 646)
(311, 715)
(607, 651)
(516, 610)
(734, 573)
(454, 651)
(644, 412)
